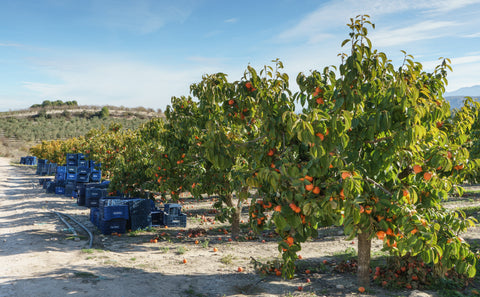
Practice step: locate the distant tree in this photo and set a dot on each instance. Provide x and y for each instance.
(66, 114)
(58, 103)
(46, 103)
(104, 113)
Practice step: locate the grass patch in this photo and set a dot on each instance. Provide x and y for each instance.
(227, 259)
(181, 250)
(205, 244)
(91, 251)
(83, 274)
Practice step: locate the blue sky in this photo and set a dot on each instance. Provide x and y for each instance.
(143, 52)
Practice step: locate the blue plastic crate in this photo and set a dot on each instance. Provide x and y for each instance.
(71, 156)
(95, 216)
(71, 176)
(70, 188)
(83, 163)
(72, 169)
(96, 176)
(109, 227)
(60, 176)
(83, 178)
(95, 193)
(59, 190)
(92, 202)
(61, 169)
(83, 170)
(110, 212)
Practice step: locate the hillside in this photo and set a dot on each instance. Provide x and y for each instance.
(456, 97)
(21, 129)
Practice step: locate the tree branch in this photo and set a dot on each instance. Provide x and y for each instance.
(378, 185)
(379, 139)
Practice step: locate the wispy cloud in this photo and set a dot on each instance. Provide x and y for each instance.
(232, 20)
(444, 6)
(140, 16)
(11, 44)
(473, 35)
(105, 80)
(335, 14)
(421, 31)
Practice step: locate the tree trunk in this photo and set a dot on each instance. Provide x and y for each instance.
(236, 222)
(364, 247)
(235, 218)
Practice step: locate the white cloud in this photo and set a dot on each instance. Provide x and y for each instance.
(473, 35)
(335, 14)
(103, 80)
(232, 20)
(420, 31)
(140, 16)
(11, 45)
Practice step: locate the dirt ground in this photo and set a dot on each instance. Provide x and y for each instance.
(39, 257)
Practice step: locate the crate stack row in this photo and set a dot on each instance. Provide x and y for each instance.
(77, 172)
(28, 160)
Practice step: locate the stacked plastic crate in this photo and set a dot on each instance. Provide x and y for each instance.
(60, 180)
(112, 217)
(170, 216)
(139, 212)
(28, 160)
(42, 167)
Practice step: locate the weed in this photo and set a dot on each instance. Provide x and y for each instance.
(164, 249)
(91, 251)
(181, 250)
(227, 259)
(205, 244)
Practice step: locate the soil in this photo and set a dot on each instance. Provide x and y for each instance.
(40, 257)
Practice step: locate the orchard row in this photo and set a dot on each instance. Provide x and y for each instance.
(375, 149)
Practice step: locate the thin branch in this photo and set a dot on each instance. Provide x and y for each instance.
(378, 185)
(379, 139)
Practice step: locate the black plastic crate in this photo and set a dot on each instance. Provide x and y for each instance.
(157, 218)
(109, 227)
(175, 221)
(51, 187)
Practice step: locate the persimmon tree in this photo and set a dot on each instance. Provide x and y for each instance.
(382, 153)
